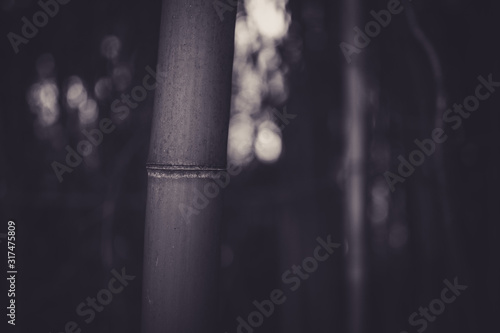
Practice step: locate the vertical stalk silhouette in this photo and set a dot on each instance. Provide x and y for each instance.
(355, 113)
(188, 149)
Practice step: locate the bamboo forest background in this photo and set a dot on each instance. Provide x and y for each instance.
(313, 135)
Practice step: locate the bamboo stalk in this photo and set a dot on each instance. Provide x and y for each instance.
(355, 113)
(188, 148)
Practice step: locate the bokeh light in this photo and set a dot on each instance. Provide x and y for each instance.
(379, 201)
(103, 88)
(121, 77)
(110, 47)
(268, 142)
(259, 80)
(87, 112)
(76, 93)
(43, 101)
(269, 17)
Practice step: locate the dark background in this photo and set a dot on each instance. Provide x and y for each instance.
(443, 222)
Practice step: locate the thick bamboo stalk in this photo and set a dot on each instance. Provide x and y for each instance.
(188, 148)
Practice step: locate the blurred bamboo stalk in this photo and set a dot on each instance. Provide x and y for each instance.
(188, 148)
(355, 113)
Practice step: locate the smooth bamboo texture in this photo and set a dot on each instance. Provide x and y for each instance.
(188, 147)
(355, 113)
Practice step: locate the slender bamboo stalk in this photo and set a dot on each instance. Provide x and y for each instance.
(188, 147)
(355, 112)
